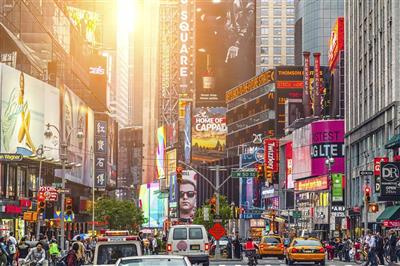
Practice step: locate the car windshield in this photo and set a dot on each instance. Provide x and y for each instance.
(153, 261)
(271, 240)
(109, 254)
(311, 243)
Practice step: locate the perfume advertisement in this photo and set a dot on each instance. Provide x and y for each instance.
(225, 47)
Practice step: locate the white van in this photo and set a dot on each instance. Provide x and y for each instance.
(190, 241)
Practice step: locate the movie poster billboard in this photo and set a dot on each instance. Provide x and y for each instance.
(28, 104)
(208, 133)
(327, 140)
(188, 195)
(78, 117)
(225, 47)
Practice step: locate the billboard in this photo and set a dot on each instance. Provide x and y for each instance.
(301, 152)
(336, 42)
(327, 140)
(188, 133)
(289, 165)
(337, 188)
(161, 140)
(153, 206)
(208, 133)
(79, 117)
(188, 195)
(271, 149)
(312, 184)
(100, 151)
(171, 164)
(225, 47)
(97, 66)
(28, 104)
(390, 179)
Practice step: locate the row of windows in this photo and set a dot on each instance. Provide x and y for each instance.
(277, 11)
(277, 21)
(278, 40)
(277, 50)
(278, 2)
(277, 59)
(277, 31)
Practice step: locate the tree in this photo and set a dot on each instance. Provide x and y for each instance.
(224, 211)
(120, 214)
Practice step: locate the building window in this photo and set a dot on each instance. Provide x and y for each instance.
(277, 50)
(263, 69)
(264, 31)
(264, 60)
(290, 21)
(290, 11)
(277, 60)
(277, 12)
(289, 31)
(277, 40)
(264, 12)
(289, 2)
(277, 2)
(264, 40)
(289, 41)
(264, 21)
(277, 22)
(290, 60)
(277, 31)
(289, 51)
(264, 50)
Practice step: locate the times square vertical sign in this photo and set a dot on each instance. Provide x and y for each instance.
(100, 153)
(185, 47)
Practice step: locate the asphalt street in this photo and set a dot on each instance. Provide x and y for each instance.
(273, 261)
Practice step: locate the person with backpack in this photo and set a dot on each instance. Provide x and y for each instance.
(22, 250)
(72, 258)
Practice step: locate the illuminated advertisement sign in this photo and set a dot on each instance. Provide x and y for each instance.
(86, 21)
(171, 164)
(153, 206)
(188, 195)
(98, 79)
(311, 184)
(208, 133)
(301, 152)
(185, 47)
(317, 85)
(337, 187)
(377, 171)
(161, 152)
(271, 149)
(327, 140)
(336, 42)
(225, 47)
(306, 91)
(100, 152)
(289, 165)
(188, 133)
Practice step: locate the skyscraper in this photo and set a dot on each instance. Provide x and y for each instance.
(314, 21)
(275, 34)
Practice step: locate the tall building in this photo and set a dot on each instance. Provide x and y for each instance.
(314, 20)
(371, 95)
(275, 34)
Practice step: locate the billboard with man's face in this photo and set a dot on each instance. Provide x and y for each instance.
(188, 195)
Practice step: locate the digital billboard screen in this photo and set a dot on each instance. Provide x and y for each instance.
(225, 47)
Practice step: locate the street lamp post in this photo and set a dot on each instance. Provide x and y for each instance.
(329, 162)
(63, 157)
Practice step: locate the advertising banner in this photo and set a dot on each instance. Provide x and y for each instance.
(271, 149)
(153, 206)
(100, 152)
(327, 141)
(317, 85)
(377, 171)
(289, 81)
(208, 133)
(301, 152)
(337, 188)
(336, 43)
(98, 79)
(28, 104)
(171, 164)
(390, 178)
(311, 184)
(188, 133)
(161, 152)
(225, 47)
(306, 91)
(188, 195)
(289, 165)
(252, 154)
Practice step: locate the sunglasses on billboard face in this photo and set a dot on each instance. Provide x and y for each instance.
(189, 194)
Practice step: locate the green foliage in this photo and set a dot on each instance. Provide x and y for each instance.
(120, 214)
(224, 211)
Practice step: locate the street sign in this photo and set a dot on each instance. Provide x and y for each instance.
(206, 214)
(217, 231)
(296, 214)
(365, 172)
(10, 157)
(65, 191)
(56, 185)
(244, 173)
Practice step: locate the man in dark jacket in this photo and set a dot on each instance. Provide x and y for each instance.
(72, 259)
(392, 246)
(380, 248)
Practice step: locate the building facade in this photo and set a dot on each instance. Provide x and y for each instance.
(371, 96)
(314, 20)
(274, 34)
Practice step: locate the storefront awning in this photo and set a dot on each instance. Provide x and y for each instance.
(390, 213)
(393, 142)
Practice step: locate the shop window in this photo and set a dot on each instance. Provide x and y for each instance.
(21, 175)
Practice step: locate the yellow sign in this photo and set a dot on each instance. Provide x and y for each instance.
(30, 216)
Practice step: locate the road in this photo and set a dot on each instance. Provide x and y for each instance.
(276, 262)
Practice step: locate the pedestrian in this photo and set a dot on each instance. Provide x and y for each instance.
(380, 248)
(81, 251)
(12, 248)
(37, 255)
(371, 246)
(141, 242)
(54, 251)
(3, 259)
(398, 249)
(392, 246)
(237, 245)
(155, 246)
(150, 240)
(22, 249)
(72, 258)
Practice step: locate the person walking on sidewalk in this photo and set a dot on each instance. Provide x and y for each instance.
(371, 245)
(380, 248)
(392, 246)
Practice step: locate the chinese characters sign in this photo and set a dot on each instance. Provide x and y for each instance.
(100, 153)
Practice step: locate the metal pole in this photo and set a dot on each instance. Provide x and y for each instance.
(217, 168)
(93, 184)
(366, 208)
(63, 158)
(330, 201)
(39, 184)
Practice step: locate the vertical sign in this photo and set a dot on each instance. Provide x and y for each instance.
(306, 92)
(377, 171)
(271, 150)
(289, 165)
(185, 47)
(337, 188)
(100, 153)
(317, 85)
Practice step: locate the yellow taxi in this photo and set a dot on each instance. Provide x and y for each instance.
(271, 246)
(305, 250)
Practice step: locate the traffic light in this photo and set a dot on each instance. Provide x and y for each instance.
(68, 206)
(41, 204)
(213, 205)
(367, 193)
(179, 177)
(373, 207)
(260, 172)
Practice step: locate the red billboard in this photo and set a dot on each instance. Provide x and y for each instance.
(377, 164)
(271, 151)
(289, 165)
(336, 42)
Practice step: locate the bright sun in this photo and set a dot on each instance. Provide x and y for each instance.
(126, 15)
